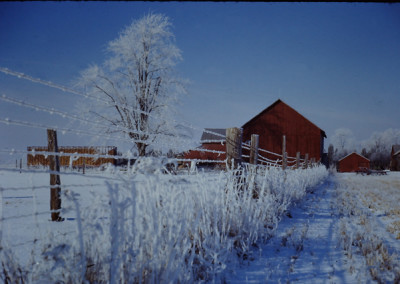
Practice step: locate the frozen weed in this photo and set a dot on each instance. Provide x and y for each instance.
(294, 237)
(288, 234)
(10, 270)
(358, 237)
(156, 228)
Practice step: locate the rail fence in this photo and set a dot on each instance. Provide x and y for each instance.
(245, 153)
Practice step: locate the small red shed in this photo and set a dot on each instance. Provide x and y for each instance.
(352, 163)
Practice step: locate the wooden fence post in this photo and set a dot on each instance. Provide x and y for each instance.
(297, 160)
(55, 182)
(20, 165)
(284, 154)
(234, 147)
(312, 162)
(254, 149)
(306, 161)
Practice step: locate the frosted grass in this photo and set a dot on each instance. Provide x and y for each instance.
(154, 228)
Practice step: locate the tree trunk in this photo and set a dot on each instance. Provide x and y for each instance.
(141, 149)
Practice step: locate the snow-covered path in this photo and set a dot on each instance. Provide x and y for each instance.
(305, 248)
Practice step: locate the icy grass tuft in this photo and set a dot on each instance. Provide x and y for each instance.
(365, 246)
(156, 228)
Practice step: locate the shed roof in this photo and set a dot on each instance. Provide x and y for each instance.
(279, 101)
(213, 134)
(353, 153)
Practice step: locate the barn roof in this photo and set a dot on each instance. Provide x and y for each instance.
(279, 101)
(213, 134)
(354, 153)
(396, 149)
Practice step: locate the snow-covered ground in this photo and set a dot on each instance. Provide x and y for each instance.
(303, 227)
(305, 247)
(369, 211)
(344, 231)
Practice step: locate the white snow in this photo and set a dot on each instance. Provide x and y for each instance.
(196, 227)
(308, 244)
(305, 248)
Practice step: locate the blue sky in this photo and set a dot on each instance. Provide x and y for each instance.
(338, 64)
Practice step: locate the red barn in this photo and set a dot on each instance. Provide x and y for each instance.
(212, 139)
(271, 124)
(280, 119)
(352, 163)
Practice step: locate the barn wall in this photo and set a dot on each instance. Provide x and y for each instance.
(352, 163)
(193, 154)
(301, 135)
(395, 163)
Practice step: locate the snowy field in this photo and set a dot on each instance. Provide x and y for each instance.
(369, 210)
(344, 231)
(270, 226)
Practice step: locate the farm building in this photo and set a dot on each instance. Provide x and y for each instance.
(352, 163)
(280, 119)
(212, 139)
(271, 124)
(42, 160)
(395, 158)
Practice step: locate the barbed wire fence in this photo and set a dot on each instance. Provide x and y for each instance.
(33, 190)
(66, 115)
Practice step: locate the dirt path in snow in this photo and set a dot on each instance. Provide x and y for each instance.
(305, 248)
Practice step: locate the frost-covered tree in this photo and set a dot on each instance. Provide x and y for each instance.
(379, 145)
(344, 141)
(136, 85)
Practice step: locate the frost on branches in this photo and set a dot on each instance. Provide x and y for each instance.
(135, 90)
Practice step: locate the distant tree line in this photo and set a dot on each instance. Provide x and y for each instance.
(377, 148)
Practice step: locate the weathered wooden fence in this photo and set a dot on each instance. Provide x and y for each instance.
(235, 148)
